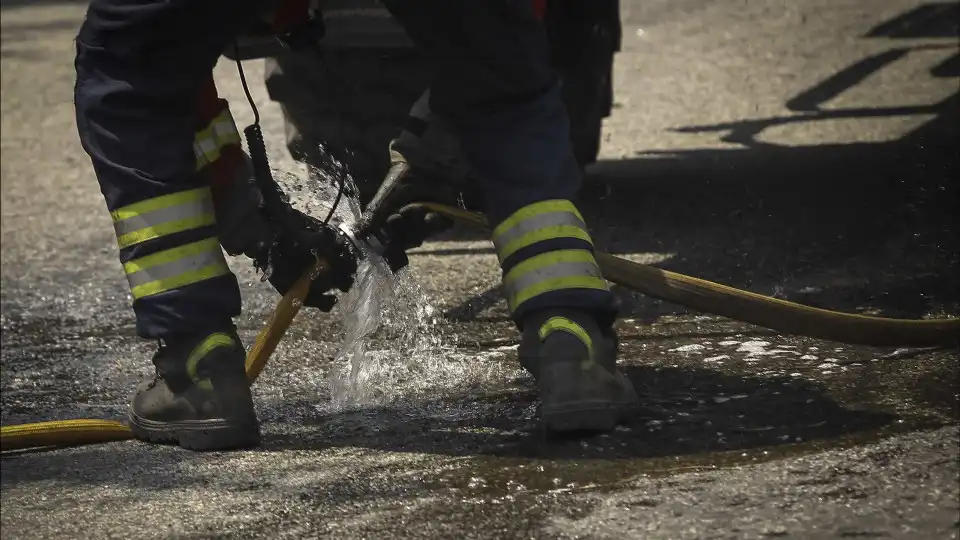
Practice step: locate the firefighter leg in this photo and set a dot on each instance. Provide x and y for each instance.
(495, 87)
(141, 68)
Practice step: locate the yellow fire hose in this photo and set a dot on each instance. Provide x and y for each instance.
(773, 313)
(60, 433)
(698, 294)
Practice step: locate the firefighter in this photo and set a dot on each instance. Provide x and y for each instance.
(168, 159)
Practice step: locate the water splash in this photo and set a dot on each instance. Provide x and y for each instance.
(394, 349)
(313, 191)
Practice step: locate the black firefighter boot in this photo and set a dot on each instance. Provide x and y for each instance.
(200, 397)
(573, 360)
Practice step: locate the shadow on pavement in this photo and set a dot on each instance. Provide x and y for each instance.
(866, 226)
(687, 415)
(684, 411)
(848, 227)
(870, 224)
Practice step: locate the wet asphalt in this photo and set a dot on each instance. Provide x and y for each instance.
(805, 150)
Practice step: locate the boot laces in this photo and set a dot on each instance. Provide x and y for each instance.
(162, 350)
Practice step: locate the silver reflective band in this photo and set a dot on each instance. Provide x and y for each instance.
(178, 261)
(175, 268)
(178, 212)
(551, 271)
(162, 216)
(540, 221)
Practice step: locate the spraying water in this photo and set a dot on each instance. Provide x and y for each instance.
(393, 349)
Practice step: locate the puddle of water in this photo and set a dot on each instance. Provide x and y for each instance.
(492, 477)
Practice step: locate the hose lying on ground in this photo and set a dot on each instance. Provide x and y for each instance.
(773, 313)
(60, 433)
(698, 294)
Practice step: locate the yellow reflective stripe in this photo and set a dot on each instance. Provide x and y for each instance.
(539, 235)
(533, 210)
(159, 203)
(210, 343)
(556, 284)
(163, 215)
(209, 141)
(174, 268)
(208, 245)
(564, 269)
(563, 324)
(537, 222)
(543, 265)
(164, 285)
(164, 229)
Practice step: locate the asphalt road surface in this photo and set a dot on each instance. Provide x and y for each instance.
(806, 150)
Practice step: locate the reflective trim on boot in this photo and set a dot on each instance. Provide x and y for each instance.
(574, 362)
(201, 351)
(563, 324)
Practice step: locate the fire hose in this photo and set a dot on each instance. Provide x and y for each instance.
(694, 293)
(701, 295)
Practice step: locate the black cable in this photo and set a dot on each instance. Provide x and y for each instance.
(272, 195)
(258, 152)
(338, 105)
(243, 82)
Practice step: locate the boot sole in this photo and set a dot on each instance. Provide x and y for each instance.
(198, 435)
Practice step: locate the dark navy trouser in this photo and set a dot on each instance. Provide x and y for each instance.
(496, 89)
(140, 66)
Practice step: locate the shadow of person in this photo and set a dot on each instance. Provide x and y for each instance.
(689, 417)
(683, 412)
(856, 226)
